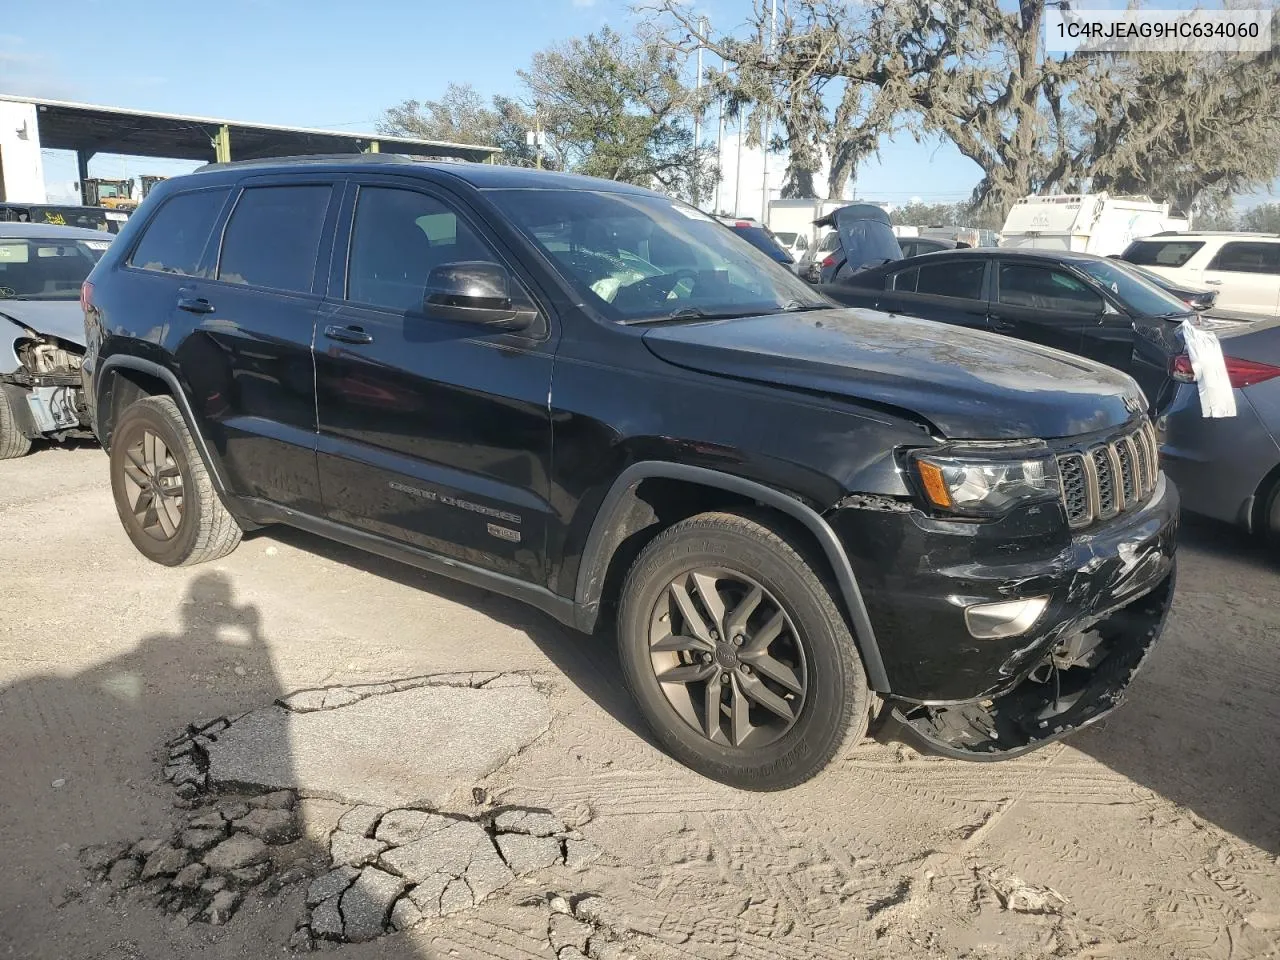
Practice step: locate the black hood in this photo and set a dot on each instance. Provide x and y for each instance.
(970, 385)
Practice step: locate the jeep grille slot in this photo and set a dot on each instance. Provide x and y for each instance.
(1108, 479)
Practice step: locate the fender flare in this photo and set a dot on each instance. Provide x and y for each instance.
(590, 582)
(129, 362)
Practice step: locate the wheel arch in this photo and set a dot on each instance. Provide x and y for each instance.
(625, 513)
(123, 378)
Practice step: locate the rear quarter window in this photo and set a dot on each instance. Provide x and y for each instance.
(1161, 253)
(174, 239)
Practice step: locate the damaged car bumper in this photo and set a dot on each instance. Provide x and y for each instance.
(1043, 631)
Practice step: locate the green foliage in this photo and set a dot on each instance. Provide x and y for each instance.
(618, 108)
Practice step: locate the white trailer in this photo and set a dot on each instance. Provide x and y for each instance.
(797, 216)
(1085, 222)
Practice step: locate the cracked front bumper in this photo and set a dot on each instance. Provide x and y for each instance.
(918, 575)
(1033, 712)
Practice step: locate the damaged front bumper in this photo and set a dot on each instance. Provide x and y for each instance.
(1103, 594)
(1051, 701)
(48, 404)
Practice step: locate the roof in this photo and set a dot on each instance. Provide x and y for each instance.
(482, 176)
(97, 129)
(50, 231)
(1224, 234)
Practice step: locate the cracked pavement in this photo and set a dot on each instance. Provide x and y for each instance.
(1152, 836)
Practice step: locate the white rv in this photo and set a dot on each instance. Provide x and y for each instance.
(1085, 222)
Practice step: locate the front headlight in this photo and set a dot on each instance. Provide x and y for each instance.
(971, 482)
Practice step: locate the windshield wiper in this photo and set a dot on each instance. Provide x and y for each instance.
(691, 313)
(800, 306)
(16, 296)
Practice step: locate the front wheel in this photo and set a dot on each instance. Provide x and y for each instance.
(737, 654)
(13, 442)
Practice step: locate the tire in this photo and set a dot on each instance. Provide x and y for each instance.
(13, 442)
(733, 559)
(171, 531)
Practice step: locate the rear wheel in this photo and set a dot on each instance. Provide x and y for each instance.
(162, 490)
(13, 442)
(737, 654)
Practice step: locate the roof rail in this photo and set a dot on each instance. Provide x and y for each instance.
(372, 158)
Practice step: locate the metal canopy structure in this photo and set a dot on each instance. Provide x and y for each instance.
(88, 129)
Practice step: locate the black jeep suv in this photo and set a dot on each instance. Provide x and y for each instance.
(595, 398)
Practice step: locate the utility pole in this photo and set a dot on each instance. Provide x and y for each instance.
(737, 177)
(719, 153)
(764, 124)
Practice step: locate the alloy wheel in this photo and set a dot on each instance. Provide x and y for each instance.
(153, 486)
(727, 657)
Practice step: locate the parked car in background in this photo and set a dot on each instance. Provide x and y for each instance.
(760, 237)
(796, 244)
(1228, 468)
(1243, 267)
(1085, 223)
(865, 239)
(810, 265)
(1090, 306)
(42, 332)
(595, 399)
(1193, 295)
(90, 218)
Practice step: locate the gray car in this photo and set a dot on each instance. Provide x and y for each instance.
(42, 268)
(1229, 468)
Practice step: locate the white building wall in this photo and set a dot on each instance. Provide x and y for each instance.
(21, 164)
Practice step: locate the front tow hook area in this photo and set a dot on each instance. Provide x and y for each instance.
(1050, 702)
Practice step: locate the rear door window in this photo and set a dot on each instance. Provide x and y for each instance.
(176, 236)
(1240, 257)
(1161, 253)
(961, 279)
(273, 237)
(1043, 288)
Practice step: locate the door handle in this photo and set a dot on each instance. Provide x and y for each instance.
(348, 334)
(1214, 283)
(195, 305)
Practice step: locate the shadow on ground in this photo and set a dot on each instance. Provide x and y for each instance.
(82, 756)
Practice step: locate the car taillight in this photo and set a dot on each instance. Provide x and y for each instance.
(1181, 369)
(830, 261)
(86, 296)
(1241, 373)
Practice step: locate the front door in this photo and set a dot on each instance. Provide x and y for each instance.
(1043, 304)
(433, 432)
(1246, 275)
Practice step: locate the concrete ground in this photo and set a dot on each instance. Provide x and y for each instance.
(1154, 835)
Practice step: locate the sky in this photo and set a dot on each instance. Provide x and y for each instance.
(338, 64)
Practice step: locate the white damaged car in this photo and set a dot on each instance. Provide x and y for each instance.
(42, 332)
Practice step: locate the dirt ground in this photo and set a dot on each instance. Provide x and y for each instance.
(1154, 835)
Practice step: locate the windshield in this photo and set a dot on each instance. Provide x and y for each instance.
(52, 269)
(1137, 293)
(637, 257)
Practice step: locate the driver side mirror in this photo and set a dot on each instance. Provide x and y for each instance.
(476, 291)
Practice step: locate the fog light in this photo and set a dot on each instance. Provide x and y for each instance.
(1008, 618)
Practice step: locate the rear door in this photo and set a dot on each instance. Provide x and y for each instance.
(433, 432)
(948, 290)
(1246, 275)
(1036, 301)
(247, 356)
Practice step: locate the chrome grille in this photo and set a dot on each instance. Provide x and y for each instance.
(1103, 481)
